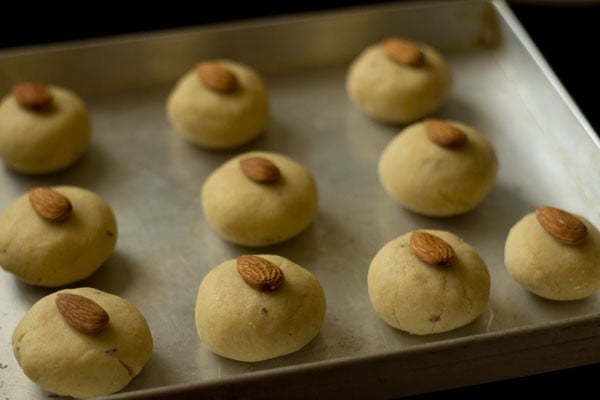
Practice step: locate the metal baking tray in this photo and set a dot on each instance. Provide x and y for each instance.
(547, 151)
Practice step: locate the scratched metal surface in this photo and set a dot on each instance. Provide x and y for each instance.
(151, 177)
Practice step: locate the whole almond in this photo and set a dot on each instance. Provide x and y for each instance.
(82, 313)
(217, 77)
(260, 169)
(445, 134)
(403, 51)
(431, 249)
(562, 225)
(32, 95)
(49, 204)
(259, 273)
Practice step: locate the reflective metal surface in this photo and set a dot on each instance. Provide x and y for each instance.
(548, 154)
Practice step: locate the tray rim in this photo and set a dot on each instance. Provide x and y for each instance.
(489, 338)
(536, 55)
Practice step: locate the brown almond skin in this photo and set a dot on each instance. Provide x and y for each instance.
(217, 77)
(32, 96)
(431, 249)
(562, 225)
(260, 273)
(260, 169)
(50, 204)
(403, 51)
(445, 134)
(81, 313)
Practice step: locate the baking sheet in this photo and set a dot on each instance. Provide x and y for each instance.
(548, 154)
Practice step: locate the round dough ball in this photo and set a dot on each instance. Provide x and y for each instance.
(392, 92)
(219, 120)
(44, 253)
(67, 362)
(549, 268)
(44, 141)
(256, 214)
(420, 298)
(432, 180)
(239, 322)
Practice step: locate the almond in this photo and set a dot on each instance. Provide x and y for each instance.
(260, 169)
(445, 134)
(33, 96)
(217, 77)
(564, 226)
(82, 313)
(403, 51)
(431, 249)
(259, 273)
(50, 204)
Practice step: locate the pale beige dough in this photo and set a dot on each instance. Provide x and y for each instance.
(67, 362)
(239, 322)
(40, 142)
(549, 268)
(254, 214)
(219, 120)
(43, 253)
(419, 298)
(435, 181)
(391, 92)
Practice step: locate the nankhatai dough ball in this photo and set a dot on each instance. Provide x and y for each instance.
(219, 104)
(427, 282)
(554, 254)
(254, 308)
(56, 236)
(438, 168)
(259, 199)
(43, 129)
(398, 81)
(69, 362)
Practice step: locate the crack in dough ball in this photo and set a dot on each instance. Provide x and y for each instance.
(64, 361)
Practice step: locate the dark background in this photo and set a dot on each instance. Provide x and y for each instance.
(566, 34)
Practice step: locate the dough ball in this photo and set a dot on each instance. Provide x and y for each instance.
(240, 322)
(398, 92)
(65, 361)
(214, 117)
(421, 298)
(431, 179)
(45, 253)
(550, 268)
(250, 213)
(41, 141)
